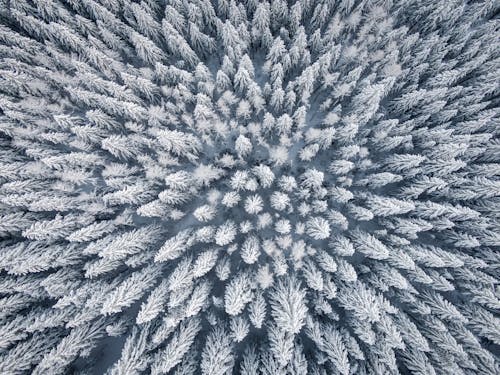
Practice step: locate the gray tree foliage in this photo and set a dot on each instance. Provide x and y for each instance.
(255, 187)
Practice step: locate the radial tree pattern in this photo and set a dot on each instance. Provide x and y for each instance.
(255, 187)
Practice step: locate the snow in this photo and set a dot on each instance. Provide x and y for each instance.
(225, 187)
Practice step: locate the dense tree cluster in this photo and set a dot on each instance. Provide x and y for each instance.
(252, 187)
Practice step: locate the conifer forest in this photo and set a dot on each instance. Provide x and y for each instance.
(255, 187)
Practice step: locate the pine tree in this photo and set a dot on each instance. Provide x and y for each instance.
(288, 305)
(250, 250)
(173, 247)
(237, 294)
(177, 347)
(318, 228)
(132, 360)
(217, 357)
(130, 290)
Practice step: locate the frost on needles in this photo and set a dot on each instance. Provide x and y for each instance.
(249, 187)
